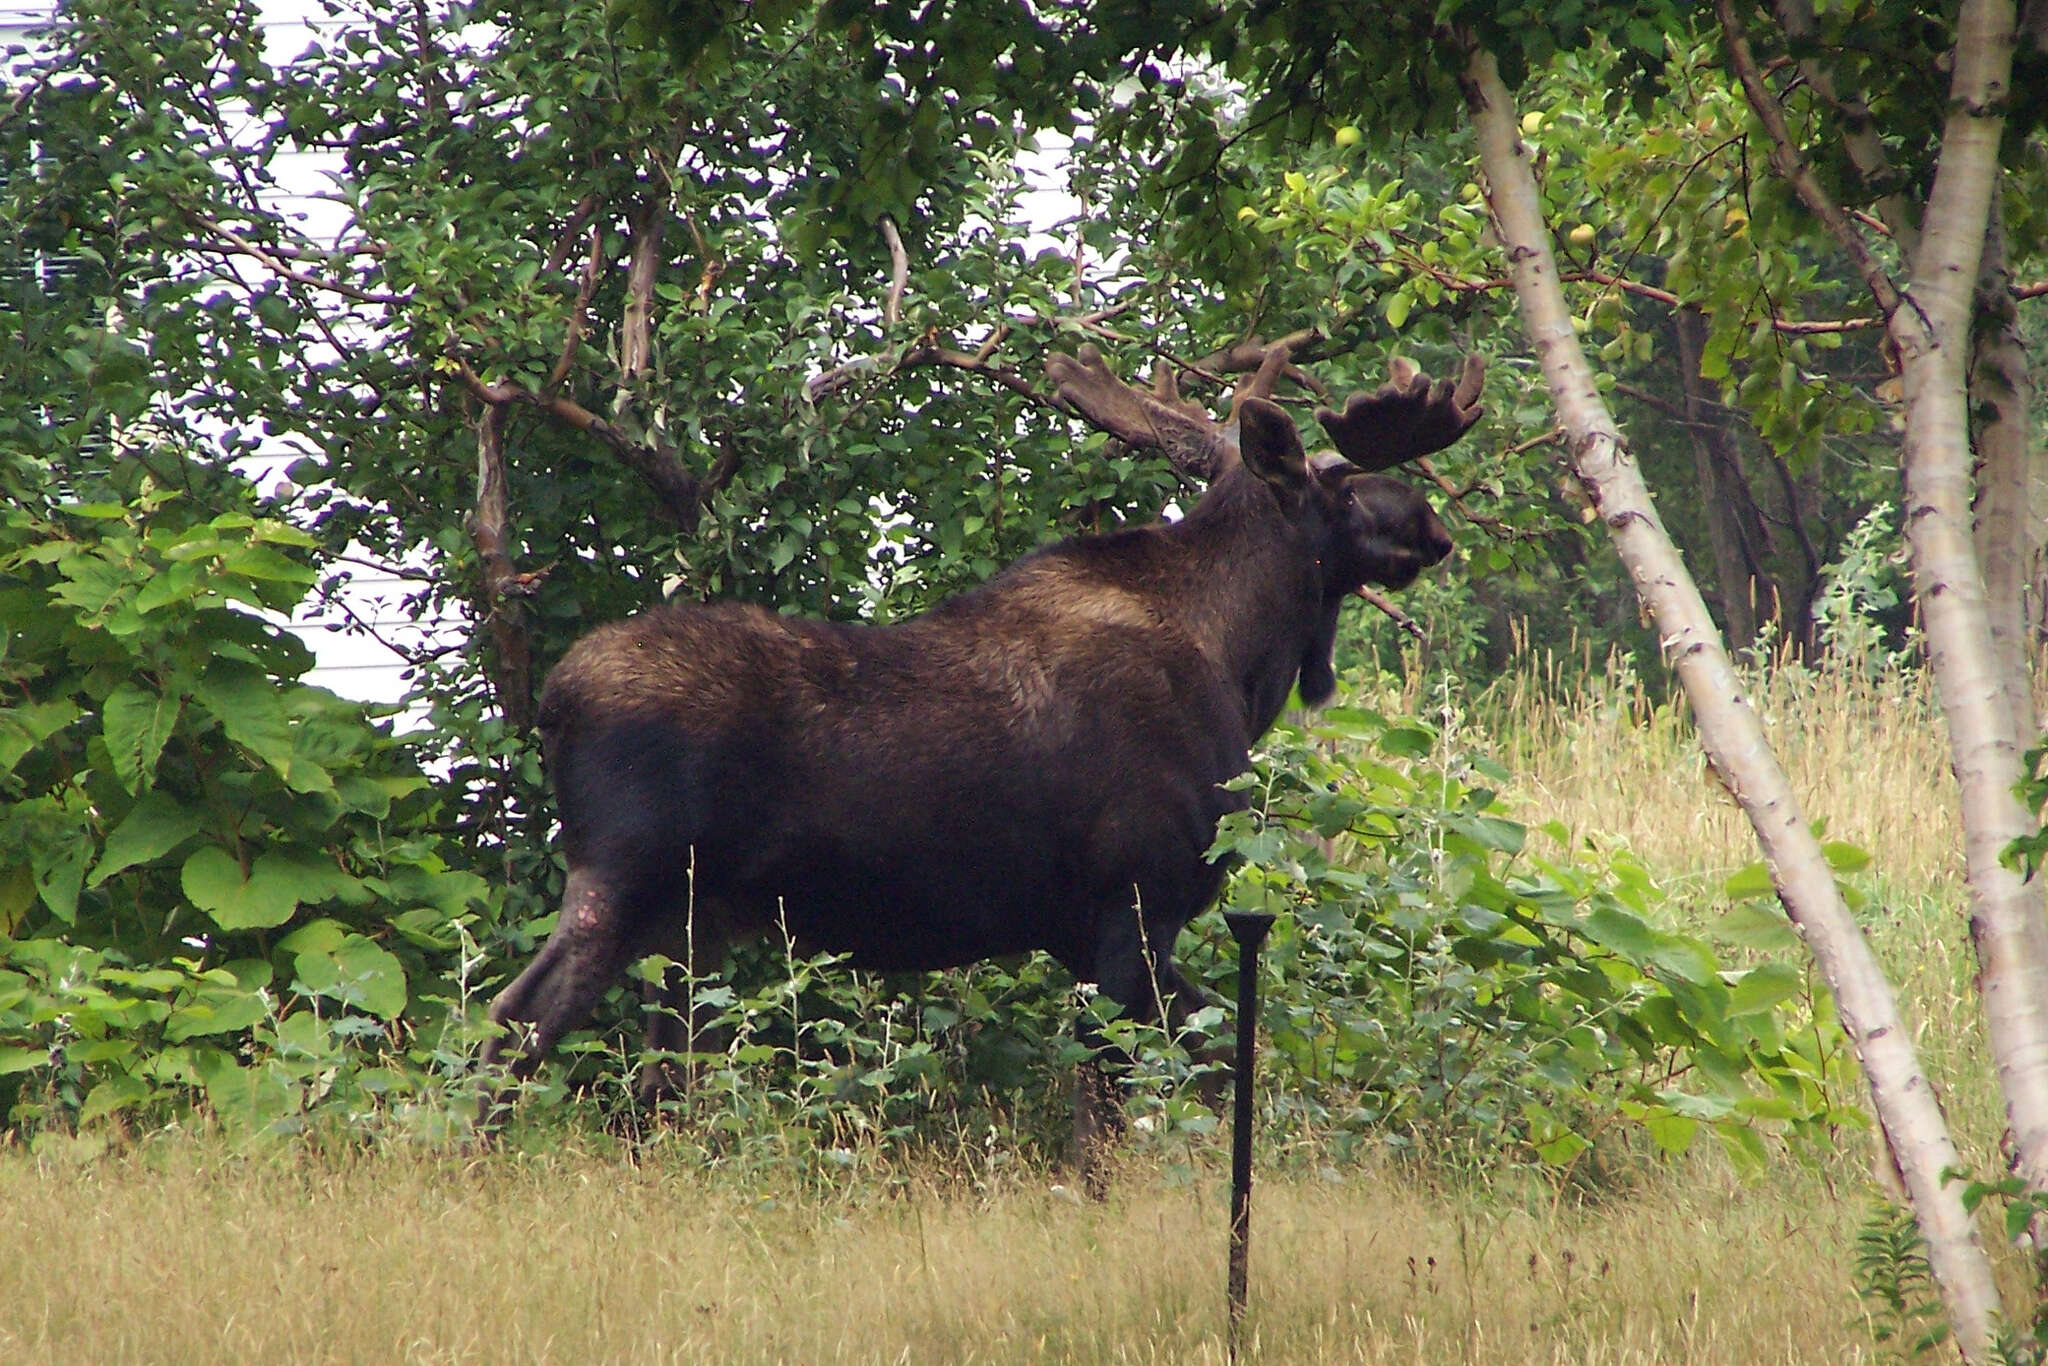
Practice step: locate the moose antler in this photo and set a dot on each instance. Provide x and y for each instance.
(1198, 445)
(1407, 417)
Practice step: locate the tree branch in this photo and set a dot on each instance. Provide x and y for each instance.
(643, 263)
(1387, 605)
(489, 522)
(899, 272)
(579, 312)
(233, 243)
(658, 464)
(1859, 129)
(1793, 167)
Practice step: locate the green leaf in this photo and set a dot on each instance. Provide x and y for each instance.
(358, 972)
(1763, 987)
(152, 828)
(1625, 934)
(1407, 741)
(1672, 1133)
(23, 728)
(261, 562)
(60, 872)
(1751, 880)
(115, 1093)
(136, 722)
(16, 1059)
(1562, 1148)
(1845, 857)
(246, 704)
(1756, 925)
(278, 882)
(228, 1012)
(319, 935)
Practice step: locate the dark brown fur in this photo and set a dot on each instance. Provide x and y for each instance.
(1036, 764)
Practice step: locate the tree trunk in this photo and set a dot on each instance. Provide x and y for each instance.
(2001, 391)
(1932, 332)
(510, 664)
(1735, 527)
(1730, 732)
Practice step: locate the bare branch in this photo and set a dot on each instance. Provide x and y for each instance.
(579, 312)
(1387, 605)
(643, 263)
(899, 272)
(232, 243)
(1860, 137)
(1493, 526)
(565, 240)
(489, 522)
(933, 354)
(658, 464)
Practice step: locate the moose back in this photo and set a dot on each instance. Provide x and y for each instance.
(1036, 764)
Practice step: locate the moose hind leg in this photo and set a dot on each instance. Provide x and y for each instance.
(1126, 969)
(678, 1028)
(581, 959)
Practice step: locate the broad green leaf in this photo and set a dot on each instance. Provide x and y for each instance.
(1751, 880)
(216, 1013)
(359, 973)
(261, 562)
(279, 882)
(1671, 1132)
(1407, 741)
(155, 825)
(1686, 960)
(320, 935)
(14, 1058)
(1845, 857)
(1756, 925)
(1625, 934)
(60, 873)
(23, 728)
(115, 1093)
(136, 722)
(249, 709)
(1763, 987)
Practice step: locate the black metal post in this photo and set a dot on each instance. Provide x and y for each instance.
(1249, 929)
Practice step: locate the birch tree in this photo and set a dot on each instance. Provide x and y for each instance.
(1950, 260)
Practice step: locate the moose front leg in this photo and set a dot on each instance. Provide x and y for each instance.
(583, 957)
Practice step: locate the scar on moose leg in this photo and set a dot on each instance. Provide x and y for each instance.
(590, 910)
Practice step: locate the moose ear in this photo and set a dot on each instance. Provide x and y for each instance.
(1269, 444)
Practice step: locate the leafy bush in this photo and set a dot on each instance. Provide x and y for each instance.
(1438, 985)
(210, 872)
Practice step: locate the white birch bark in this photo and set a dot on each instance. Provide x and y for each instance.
(1730, 732)
(1932, 332)
(2001, 392)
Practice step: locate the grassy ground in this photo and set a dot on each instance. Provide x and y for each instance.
(173, 1250)
(174, 1254)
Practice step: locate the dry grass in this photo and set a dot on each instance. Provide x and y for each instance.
(1867, 755)
(175, 1254)
(173, 1251)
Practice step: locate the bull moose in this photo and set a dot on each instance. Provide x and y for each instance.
(1035, 764)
